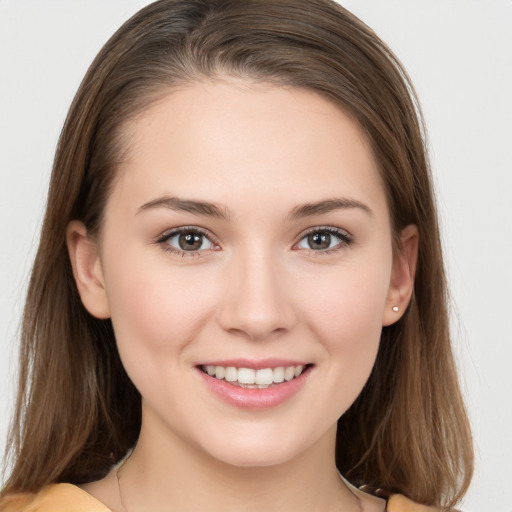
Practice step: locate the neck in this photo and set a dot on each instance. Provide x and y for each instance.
(163, 474)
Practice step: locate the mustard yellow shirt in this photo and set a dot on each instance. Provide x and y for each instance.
(70, 498)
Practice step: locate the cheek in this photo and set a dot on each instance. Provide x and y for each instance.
(154, 308)
(345, 311)
(347, 303)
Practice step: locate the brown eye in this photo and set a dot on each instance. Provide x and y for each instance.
(187, 241)
(325, 240)
(319, 241)
(190, 241)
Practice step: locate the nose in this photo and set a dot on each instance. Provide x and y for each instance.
(257, 302)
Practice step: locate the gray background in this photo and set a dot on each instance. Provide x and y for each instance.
(459, 55)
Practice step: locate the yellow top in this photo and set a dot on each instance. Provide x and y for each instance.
(70, 498)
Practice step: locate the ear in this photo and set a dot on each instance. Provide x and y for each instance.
(87, 271)
(402, 275)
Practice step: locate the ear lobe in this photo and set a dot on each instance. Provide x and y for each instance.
(402, 276)
(87, 270)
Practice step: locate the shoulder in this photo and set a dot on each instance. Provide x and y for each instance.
(53, 498)
(399, 503)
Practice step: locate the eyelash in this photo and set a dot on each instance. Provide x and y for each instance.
(163, 240)
(345, 240)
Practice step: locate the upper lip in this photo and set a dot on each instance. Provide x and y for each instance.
(254, 364)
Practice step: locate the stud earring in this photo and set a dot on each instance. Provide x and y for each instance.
(396, 309)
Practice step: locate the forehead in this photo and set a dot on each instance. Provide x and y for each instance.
(223, 140)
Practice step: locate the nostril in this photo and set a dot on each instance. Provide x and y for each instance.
(257, 304)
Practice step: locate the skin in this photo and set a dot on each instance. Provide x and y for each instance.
(256, 289)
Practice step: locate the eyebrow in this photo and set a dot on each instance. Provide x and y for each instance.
(326, 206)
(214, 210)
(187, 205)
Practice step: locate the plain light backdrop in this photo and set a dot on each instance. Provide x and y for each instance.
(459, 55)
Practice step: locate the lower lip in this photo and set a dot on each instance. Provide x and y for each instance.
(253, 398)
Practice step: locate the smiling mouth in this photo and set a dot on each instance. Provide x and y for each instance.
(254, 379)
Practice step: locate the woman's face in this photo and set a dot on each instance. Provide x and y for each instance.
(246, 263)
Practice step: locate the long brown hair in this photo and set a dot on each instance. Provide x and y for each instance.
(77, 413)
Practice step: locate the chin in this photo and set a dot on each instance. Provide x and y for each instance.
(256, 459)
(258, 449)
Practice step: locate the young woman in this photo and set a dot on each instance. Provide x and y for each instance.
(238, 301)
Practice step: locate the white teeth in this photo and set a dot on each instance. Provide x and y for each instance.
(265, 376)
(279, 374)
(231, 374)
(246, 376)
(250, 378)
(289, 373)
(220, 372)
